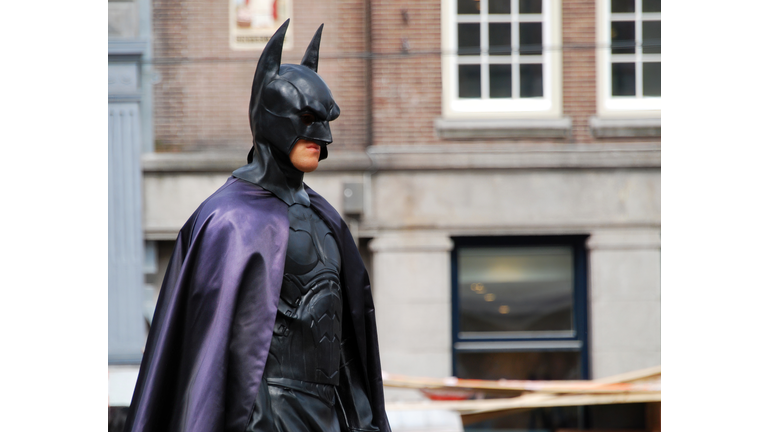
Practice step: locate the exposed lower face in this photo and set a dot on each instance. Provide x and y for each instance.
(305, 155)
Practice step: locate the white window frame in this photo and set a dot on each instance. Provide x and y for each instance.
(548, 106)
(623, 106)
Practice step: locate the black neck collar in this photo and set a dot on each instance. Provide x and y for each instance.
(274, 172)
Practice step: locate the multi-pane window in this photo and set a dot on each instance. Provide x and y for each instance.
(635, 56)
(520, 313)
(501, 58)
(500, 48)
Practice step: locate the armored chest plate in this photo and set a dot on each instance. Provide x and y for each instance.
(307, 334)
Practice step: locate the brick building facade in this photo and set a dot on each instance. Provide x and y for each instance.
(391, 74)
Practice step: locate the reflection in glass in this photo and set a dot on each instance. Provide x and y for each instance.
(500, 87)
(530, 38)
(542, 365)
(623, 37)
(536, 420)
(651, 37)
(530, 6)
(563, 365)
(469, 39)
(536, 283)
(651, 5)
(531, 80)
(652, 79)
(469, 81)
(500, 38)
(468, 7)
(623, 79)
(499, 6)
(622, 6)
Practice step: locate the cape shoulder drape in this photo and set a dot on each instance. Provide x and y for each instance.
(213, 322)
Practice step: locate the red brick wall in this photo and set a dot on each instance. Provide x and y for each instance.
(201, 101)
(579, 67)
(407, 87)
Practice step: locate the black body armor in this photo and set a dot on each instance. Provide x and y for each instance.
(307, 336)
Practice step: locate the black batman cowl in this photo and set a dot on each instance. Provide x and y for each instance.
(288, 102)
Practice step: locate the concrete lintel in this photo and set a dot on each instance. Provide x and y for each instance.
(128, 47)
(503, 128)
(616, 128)
(625, 239)
(229, 160)
(523, 156)
(412, 241)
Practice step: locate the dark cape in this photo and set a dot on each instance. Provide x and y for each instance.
(214, 318)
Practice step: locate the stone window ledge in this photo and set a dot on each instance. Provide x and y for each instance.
(219, 161)
(625, 127)
(506, 128)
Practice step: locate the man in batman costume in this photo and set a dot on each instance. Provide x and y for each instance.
(265, 320)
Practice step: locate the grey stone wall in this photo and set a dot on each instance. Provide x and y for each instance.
(412, 213)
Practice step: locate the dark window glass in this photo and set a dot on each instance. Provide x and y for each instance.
(620, 6)
(622, 37)
(623, 79)
(651, 37)
(469, 81)
(536, 420)
(542, 365)
(500, 80)
(521, 289)
(468, 7)
(531, 80)
(539, 288)
(499, 6)
(522, 365)
(469, 39)
(530, 6)
(652, 79)
(500, 38)
(530, 39)
(651, 5)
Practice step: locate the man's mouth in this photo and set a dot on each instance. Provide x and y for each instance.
(313, 146)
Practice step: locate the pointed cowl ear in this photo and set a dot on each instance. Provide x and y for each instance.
(313, 51)
(267, 68)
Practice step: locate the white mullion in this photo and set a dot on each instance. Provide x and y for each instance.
(531, 59)
(466, 19)
(622, 58)
(469, 60)
(498, 18)
(499, 59)
(622, 16)
(515, 21)
(484, 75)
(638, 48)
(532, 17)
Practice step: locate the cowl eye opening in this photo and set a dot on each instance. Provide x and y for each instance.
(307, 118)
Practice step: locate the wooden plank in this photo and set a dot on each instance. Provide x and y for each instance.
(580, 386)
(652, 373)
(487, 405)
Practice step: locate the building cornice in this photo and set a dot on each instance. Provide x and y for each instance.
(435, 157)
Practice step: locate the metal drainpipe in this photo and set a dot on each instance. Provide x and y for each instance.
(367, 187)
(368, 74)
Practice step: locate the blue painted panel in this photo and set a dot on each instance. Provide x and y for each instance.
(126, 255)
